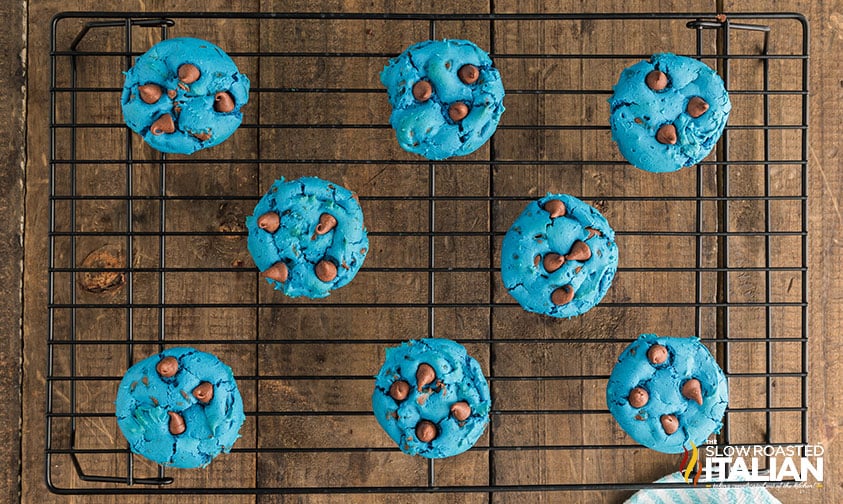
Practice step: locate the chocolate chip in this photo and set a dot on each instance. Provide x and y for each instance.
(638, 397)
(592, 232)
(468, 74)
(425, 375)
(563, 295)
(667, 134)
(223, 102)
(167, 367)
(202, 136)
(204, 392)
(327, 222)
(269, 222)
(657, 354)
(399, 390)
(461, 411)
(326, 270)
(189, 73)
(555, 208)
(172, 93)
(580, 251)
(457, 111)
(426, 431)
(656, 80)
(177, 425)
(150, 93)
(692, 390)
(670, 424)
(553, 262)
(163, 124)
(422, 90)
(277, 272)
(696, 107)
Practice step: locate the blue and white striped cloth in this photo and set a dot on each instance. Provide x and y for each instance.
(701, 495)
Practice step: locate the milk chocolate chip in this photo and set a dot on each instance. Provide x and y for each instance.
(425, 375)
(177, 425)
(692, 390)
(172, 93)
(461, 411)
(579, 252)
(638, 397)
(202, 136)
(656, 80)
(563, 295)
(667, 134)
(657, 354)
(204, 392)
(167, 367)
(426, 431)
(422, 90)
(457, 111)
(150, 93)
(269, 222)
(553, 262)
(670, 424)
(696, 107)
(326, 270)
(163, 124)
(327, 222)
(468, 74)
(189, 73)
(223, 102)
(399, 390)
(555, 208)
(277, 272)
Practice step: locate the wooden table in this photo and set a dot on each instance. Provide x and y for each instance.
(24, 196)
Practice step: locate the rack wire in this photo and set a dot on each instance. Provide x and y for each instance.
(129, 225)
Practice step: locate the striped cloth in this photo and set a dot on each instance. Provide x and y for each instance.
(700, 495)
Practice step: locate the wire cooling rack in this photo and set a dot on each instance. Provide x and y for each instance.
(147, 251)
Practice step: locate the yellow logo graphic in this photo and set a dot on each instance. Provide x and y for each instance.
(686, 469)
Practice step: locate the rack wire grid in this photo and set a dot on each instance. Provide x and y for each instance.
(147, 251)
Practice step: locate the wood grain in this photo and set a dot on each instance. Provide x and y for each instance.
(337, 387)
(12, 130)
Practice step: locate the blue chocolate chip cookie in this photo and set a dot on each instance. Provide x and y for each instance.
(307, 236)
(431, 398)
(668, 112)
(184, 94)
(180, 408)
(446, 98)
(559, 257)
(667, 393)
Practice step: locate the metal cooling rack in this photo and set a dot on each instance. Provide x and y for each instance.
(77, 461)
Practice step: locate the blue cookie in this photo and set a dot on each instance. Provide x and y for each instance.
(668, 113)
(184, 94)
(667, 393)
(180, 408)
(559, 257)
(307, 236)
(446, 98)
(431, 398)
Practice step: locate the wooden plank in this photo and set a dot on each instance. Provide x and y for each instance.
(824, 224)
(110, 216)
(335, 390)
(585, 465)
(825, 277)
(13, 64)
